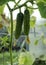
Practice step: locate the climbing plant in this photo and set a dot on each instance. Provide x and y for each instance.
(42, 9)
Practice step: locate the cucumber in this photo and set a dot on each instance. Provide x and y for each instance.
(26, 22)
(19, 22)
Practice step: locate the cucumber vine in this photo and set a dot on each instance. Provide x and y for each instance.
(11, 16)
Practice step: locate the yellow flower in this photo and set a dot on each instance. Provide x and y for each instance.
(28, 40)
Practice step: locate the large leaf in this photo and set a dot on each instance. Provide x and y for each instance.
(40, 0)
(1, 9)
(4, 1)
(42, 8)
(25, 58)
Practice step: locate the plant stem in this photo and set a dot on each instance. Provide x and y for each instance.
(16, 4)
(31, 7)
(11, 37)
(11, 33)
(20, 6)
(3, 56)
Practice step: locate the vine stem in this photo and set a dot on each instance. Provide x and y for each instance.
(3, 57)
(16, 4)
(11, 10)
(11, 38)
(22, 6)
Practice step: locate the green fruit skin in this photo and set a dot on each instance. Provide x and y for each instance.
(26, 22)
(19, 22)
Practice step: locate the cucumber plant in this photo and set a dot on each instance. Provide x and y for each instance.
(42, 11)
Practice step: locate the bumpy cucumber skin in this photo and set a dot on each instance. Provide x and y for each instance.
(19, 22)
(26, 22)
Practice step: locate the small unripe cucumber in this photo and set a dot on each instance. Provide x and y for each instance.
(19, 22)
(26, 22)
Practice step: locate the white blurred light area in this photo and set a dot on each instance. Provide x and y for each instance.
(36, 12)
(11, 4)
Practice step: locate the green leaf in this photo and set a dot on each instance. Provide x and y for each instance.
(40, 1)
(42, 8)
(0, 38)
(32, 21)
(25, 58)
(45, 24)
(4, 1)
(36, 42)
(5, 38)
(45, 0)
(44, 41)
(1, 9)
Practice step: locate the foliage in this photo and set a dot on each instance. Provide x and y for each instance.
(4, 41)
(7, 58)
(2, 8)
(32, 21)
(42, 8)
(40, 0)
(42, 38)
(36, 42)
(25, 58)
(39, 62)
(4, 1)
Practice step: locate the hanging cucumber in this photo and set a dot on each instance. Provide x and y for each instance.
(26, 22)
(19, 22)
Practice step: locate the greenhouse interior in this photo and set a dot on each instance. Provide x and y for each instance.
(23, 32)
